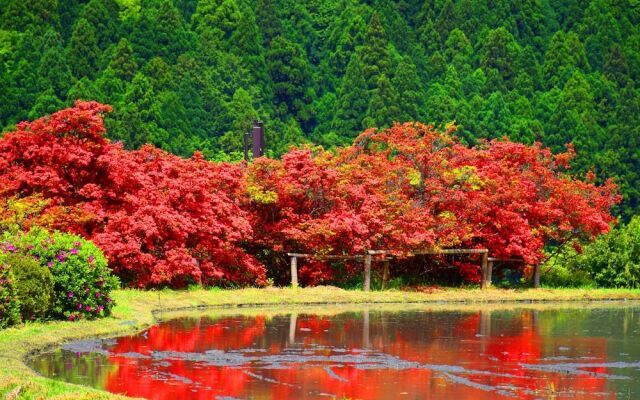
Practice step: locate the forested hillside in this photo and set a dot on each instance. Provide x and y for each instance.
(190, 75)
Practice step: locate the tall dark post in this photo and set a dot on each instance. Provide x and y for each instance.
(256, 136)
(258, 139)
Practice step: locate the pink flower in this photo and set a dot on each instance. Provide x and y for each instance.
(88, 308)
(70, 294)
(98, 294)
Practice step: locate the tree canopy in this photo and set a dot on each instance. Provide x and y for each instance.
(166, 220)
(183, 75)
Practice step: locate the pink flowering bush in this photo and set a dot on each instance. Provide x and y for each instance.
(83, 280)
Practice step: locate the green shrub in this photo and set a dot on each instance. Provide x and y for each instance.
(33, 285)
(558, 276)
(613, 260)
(9, 304)
(83, 281)
(562, 270)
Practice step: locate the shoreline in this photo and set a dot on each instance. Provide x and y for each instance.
(136, 310)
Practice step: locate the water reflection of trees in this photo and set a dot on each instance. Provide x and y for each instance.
(498, 342)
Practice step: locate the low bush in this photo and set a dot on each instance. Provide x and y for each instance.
(559, 276)
(613, 260)
(33, 285)
(83, 281)
(9, 304)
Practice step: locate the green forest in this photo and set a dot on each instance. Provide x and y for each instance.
(189, 75)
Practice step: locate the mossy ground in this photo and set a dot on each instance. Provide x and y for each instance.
(134, 311)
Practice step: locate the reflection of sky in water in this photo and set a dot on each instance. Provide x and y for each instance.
(368, 354)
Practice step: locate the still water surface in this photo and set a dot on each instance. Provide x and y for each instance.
(368, 353)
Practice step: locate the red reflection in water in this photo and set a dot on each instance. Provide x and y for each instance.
(491, 352)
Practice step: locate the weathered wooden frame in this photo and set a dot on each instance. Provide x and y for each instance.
(367, 258)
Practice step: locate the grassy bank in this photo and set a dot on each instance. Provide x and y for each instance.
(135, 310)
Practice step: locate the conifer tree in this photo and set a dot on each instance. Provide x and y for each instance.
(374, 54)
(353, 100)
(289, 71)
(83, 49)
(410, 97)
(123, 63)
(383, 107)
(616, 68)
(446, 20)
(54, 71)
(241, 113)
(102, 15)
(268, 20)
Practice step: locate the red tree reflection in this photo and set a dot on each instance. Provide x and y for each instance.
(356, 355)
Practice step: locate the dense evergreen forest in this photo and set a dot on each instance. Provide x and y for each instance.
(190, 75)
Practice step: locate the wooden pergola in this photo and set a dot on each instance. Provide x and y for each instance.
(367, 258)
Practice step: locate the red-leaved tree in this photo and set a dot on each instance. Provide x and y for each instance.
(161, 219)
(410, 188)
(165, 220)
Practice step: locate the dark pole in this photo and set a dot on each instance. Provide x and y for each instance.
(261, 125)
(258, 139)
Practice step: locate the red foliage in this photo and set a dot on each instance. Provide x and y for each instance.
(524, 199)
(412, 188)
(164, 220)
(161, 219)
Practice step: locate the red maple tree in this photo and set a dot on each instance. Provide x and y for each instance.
(161, 219)
(165, 220)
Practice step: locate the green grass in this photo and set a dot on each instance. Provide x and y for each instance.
(134, 311)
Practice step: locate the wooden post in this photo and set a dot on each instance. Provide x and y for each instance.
(484, 283)
(536, 276)
(293, 318)
(366, 342)
(294, 271)
(489, 272)
(485, 323)
(367, 272)
(385, 274)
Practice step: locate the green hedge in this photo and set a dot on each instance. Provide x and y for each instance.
(33, 285)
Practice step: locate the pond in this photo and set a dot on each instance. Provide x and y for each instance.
(371, 352)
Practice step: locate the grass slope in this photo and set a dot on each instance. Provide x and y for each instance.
(134, 311)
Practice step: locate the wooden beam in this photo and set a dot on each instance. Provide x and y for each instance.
(343, 257)
(493, 259)
(299, 255)
(367, 272)
(294, 271)
(329, 257)
(452, 251)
